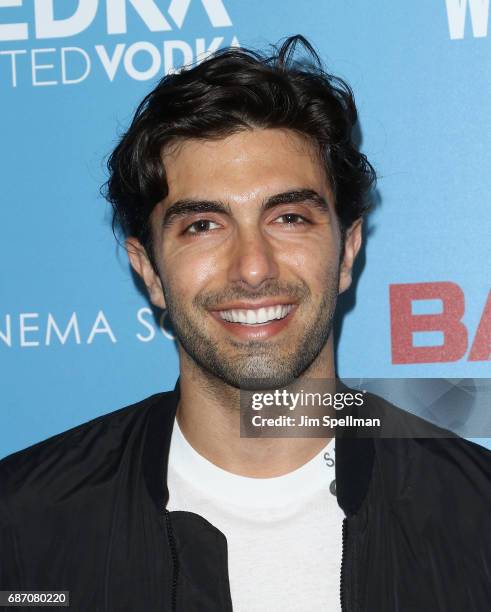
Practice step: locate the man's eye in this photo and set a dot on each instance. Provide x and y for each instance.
(201, 226)
(291, 219)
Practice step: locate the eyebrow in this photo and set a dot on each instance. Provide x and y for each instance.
(185, 207)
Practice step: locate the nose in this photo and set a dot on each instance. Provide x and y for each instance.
(252, 261)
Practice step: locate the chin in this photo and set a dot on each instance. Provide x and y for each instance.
(251, 376)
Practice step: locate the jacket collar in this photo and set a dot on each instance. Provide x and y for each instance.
(354, 462)
(162, 414)
(354, 457)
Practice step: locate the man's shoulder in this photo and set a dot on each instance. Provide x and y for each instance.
(67, 456)
(431, 458)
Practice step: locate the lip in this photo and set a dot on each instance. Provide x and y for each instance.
(261, 331)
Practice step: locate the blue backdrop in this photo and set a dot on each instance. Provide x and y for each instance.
(77, 339)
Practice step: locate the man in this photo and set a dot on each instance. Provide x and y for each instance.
(242, 194)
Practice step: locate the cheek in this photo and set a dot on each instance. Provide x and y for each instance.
(311, 260)
(187, 274)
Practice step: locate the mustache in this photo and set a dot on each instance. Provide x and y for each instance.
(269, 289)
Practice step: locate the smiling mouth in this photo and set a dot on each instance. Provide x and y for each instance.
(256, 316)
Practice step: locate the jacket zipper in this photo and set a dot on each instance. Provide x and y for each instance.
(343, 569)
(175, 560)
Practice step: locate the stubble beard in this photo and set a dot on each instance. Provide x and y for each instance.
(256, 364)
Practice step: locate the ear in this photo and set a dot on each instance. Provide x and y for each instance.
(352, 244)
(141, 265)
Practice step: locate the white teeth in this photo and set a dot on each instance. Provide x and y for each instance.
(262, 315)
(256, 316)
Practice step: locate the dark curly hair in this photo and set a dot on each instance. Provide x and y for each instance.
(232, 90)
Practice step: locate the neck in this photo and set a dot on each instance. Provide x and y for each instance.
(209, 417)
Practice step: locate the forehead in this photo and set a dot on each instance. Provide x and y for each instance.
(249, 164)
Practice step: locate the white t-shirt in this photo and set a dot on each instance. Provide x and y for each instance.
(283, 534)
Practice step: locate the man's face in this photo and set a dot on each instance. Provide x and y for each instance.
(247, 247)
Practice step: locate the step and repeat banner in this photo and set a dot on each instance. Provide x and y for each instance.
(77, 336)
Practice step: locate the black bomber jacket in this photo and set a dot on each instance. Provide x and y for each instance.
(85, 512)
